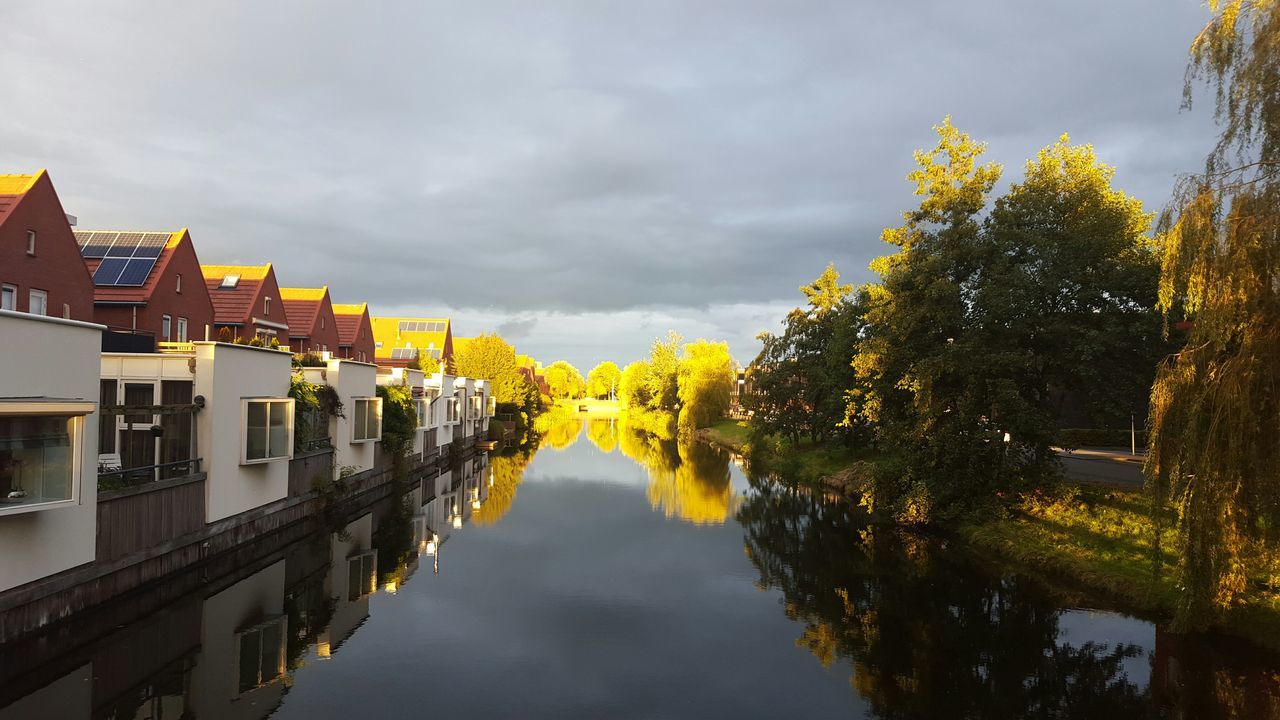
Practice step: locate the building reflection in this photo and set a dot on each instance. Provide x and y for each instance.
(229, 649)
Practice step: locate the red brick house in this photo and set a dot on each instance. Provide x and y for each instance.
(355, 332)
(312, 326)
(40, 267)
(246, 301)
(148, 283)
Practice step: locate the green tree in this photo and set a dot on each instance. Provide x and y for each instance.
(633, 386)
(1216, 404)
(564, 381)
(802, 376)
(602, 381)
(1064, 303)
(704, 383)
(489, 357)
(914, 367)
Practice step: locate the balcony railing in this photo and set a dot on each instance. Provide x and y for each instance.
(146, 443)
(114, 478)
(177, 348)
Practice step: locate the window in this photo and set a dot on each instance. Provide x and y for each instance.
(451, 410)
(361, 574)
(38, 302)
(492, 408)
(366, 419)
(177, 284)
(229, 282)
(182, 329)
(31, 242)
(40, 450)
(266, 305)
(268, 429)
(261, 653)
(8, 297)
(166, 326)
(321, 322)
(423, 406)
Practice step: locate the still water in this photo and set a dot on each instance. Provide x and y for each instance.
(612, 575)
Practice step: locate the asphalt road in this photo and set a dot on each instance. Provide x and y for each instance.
(1113, 467)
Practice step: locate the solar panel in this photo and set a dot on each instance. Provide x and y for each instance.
(136, 271)
(96, 244)
(109, 271)
(151, 245)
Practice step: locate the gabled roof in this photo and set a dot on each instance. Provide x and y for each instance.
(233, 306)
(302, 308)
(130, 293)
(402, 332)
(12, 188)
(347, 318)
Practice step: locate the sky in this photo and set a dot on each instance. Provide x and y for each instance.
(579, 177)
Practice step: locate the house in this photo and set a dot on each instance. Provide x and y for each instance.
(40, 267)
(532, 371)
(415, 381)
(355, 433)
(355, 332)
(148, 284)
(312, 324)
(48, 456)
(398, 341)
(246, 301)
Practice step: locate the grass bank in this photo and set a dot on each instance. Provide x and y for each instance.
(1082, 541)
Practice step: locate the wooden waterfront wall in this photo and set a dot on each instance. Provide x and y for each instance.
(136, 518)
(304, 469)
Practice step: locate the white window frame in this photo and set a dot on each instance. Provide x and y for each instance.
(281, 668)
(11, 293)
(423, 406)
(355, 426)
(266, 305)
(452, 411)
(166, 327)
(32, 294)
(244, 429)
(182, 329)
(78, 410)
(31, 242)
(491, 407)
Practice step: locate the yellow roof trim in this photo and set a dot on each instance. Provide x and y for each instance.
(246, 272)
(18, 184)
(304, 293)
(349, 308)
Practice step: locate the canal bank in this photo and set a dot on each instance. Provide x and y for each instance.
(1080, 538)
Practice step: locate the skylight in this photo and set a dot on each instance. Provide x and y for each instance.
(230, 281)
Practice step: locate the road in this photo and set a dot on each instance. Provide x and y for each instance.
(1113, 467)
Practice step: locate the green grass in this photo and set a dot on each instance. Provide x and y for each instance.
(1104, 541)
(732, 434)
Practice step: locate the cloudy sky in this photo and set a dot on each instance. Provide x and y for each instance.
(579, 176)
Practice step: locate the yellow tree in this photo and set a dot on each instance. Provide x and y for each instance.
(704, 384)
(1215, 425)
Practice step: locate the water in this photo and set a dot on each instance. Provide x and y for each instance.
(612, 575)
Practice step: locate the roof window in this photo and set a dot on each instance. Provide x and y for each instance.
(230, 281)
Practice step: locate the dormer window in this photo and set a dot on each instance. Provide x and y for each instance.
(230, 281)
(31, 242)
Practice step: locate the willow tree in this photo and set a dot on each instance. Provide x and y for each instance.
(1215, 424)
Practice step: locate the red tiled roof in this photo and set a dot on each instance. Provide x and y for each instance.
(134, 294)
(233, 306)
(347, 318)
(301, 308)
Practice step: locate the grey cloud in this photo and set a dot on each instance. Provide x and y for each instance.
(568, 157)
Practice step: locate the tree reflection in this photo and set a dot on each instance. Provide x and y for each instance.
(508, 471)
(603, 433)
(927, 634)
(563, 435)
(688, 480)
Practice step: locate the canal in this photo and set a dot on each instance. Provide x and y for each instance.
(611, 574)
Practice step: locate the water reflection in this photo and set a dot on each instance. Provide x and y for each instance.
(231, 651)
(925, 632)
(687, 480)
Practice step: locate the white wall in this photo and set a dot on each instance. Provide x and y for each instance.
(225, 374)
(356, 538)
(351, 379)
(54, 358)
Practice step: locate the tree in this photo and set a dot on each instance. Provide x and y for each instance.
(704, 383)
(489, 357)
(633, 386)
(564, 380)
(664, 373)
(913, 367)
(802, 376)
(1064, 304)
(1213, 449)
(427, 363)
(602, 381)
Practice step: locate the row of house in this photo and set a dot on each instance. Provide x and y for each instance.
(120, 393)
